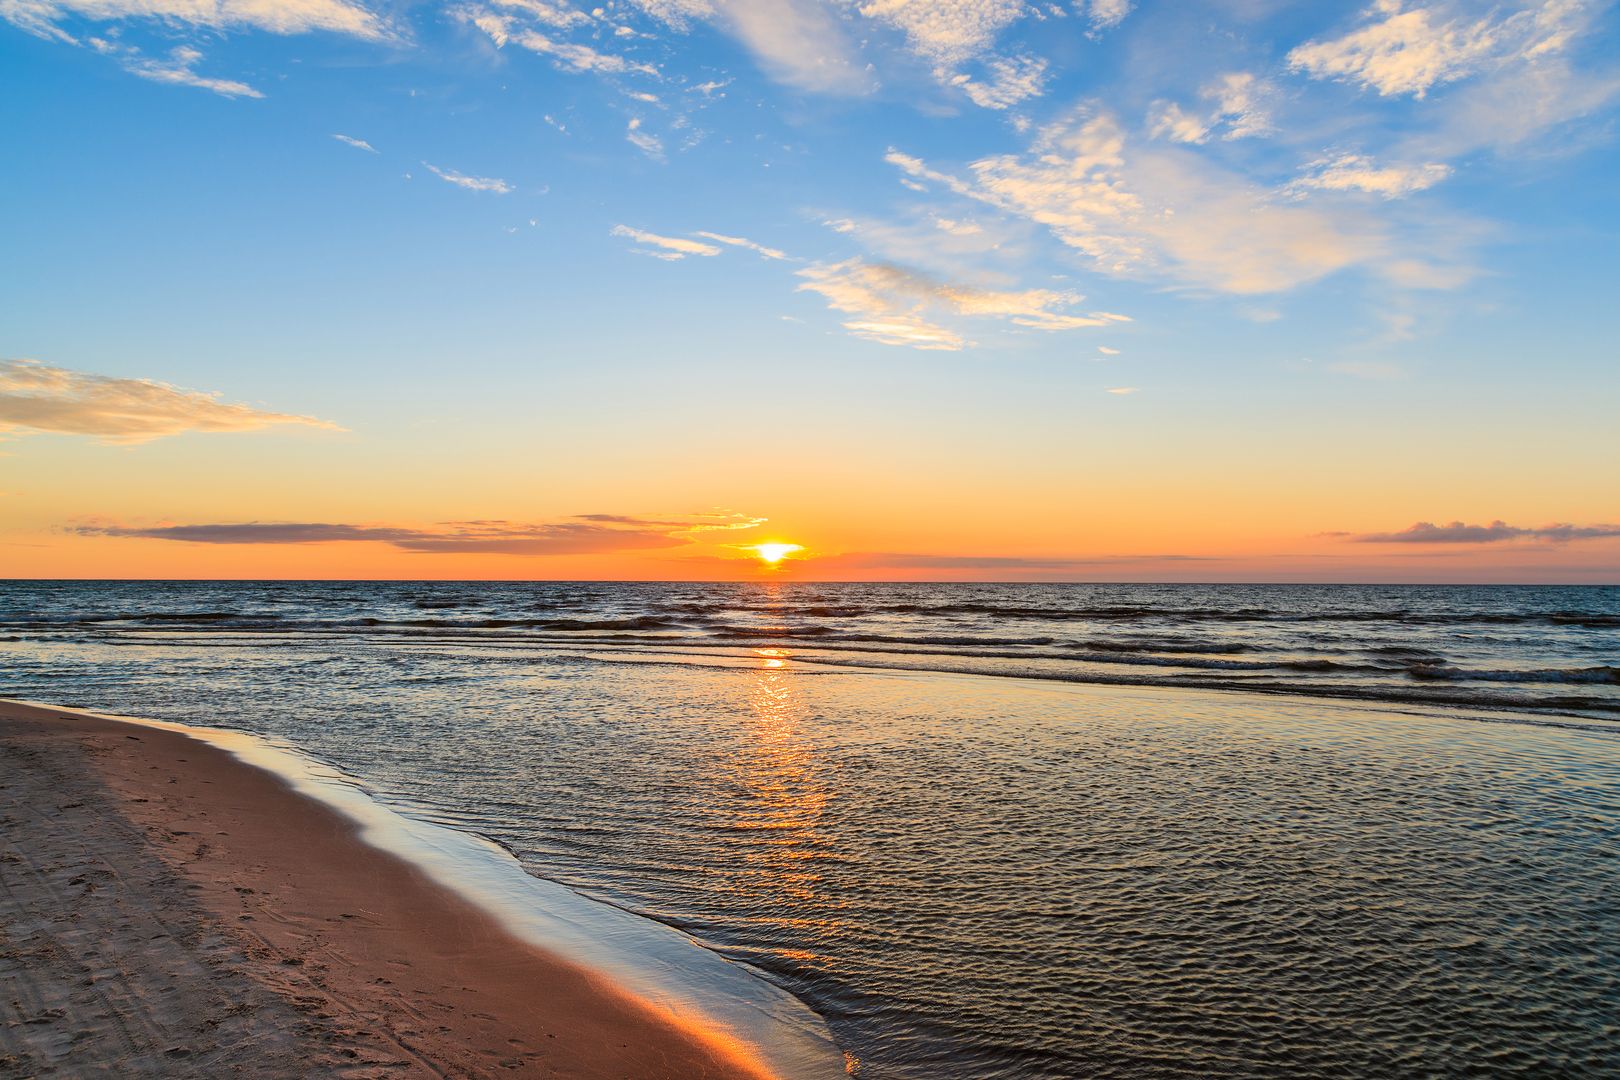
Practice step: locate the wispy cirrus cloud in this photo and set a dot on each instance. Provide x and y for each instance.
(892, 304)
(44, 18)
(665, 247)
(643, 140)
(743, 242)
(180, 70)
(471, 183)
(358, 144)
(584, 535)
(1357, 172)
(36, 397)
(572, 56)
(801, 43)
(719, 521)
(1457, 532)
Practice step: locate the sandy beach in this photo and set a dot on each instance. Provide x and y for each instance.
(167, 910)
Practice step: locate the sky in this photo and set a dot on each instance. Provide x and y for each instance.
(964, 289)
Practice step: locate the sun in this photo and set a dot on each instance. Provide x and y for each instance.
(773, 554)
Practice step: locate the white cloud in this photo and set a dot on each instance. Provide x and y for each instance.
(645, 141)
(798, 42)
(890, 303)
(1409, 51)
(559, 15)
(1170, 121)
(906, 330)
(1355, 172)
(37, 397)
(1106, 351)
(1011, 80)
(738, 241)
(1156, 211)
(1237, 105)
(1240, 100)
(178, 71)
(358, 144)
(471, 183)
(958, 228)
(568, 55)
(1106, 14)
(670, 247)
(275, 16)
(1124, 390)
(947, 32)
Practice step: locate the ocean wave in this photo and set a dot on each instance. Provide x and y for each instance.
(1599, 674)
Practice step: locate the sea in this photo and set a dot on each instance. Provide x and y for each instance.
(985, 831)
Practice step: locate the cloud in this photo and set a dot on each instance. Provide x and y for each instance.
(1011, 80)
(1147, 210)
(1124, 390)
(645, 141)
(567, 55)
(1409, 51)
(559, 15)
(946, 32)
(1237, 106)
(1456, 532)
(798, 42)
(471, 183)
(1106, 351)
(1356, 172)
(1167, 120)
(671, 247)
(738, 241)
(720, 521)
(1106, 14)
(908, 330)
(358, 144)
(1240, 104)
(41, 17)
(177, 71)
(890, 302)
(37, 397)
(451, 538)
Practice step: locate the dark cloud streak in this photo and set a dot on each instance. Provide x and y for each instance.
(1456, 532)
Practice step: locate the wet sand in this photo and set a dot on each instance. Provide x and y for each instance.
(167, 910)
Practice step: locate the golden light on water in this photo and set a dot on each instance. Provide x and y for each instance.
(773, 554)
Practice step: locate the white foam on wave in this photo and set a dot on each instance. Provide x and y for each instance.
(665, 969)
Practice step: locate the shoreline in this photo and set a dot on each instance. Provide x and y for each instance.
(175, 905)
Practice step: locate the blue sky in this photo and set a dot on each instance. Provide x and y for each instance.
(982, 238)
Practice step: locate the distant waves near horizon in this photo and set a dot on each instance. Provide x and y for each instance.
(1542, 648)
(972, 877)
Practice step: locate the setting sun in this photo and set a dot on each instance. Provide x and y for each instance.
(773, 554)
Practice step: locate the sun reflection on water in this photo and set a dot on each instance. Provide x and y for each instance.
(786, 797)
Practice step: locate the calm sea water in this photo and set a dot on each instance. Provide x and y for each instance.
(1305, 831)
